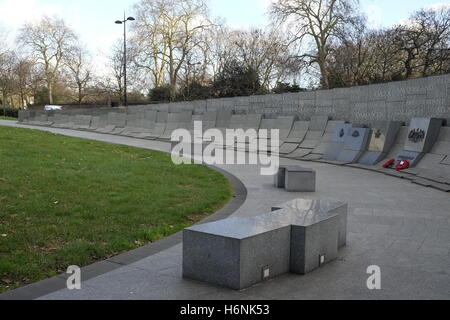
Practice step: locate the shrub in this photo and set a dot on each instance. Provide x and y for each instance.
(13, 113)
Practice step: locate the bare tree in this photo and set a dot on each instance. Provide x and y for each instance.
(220, 50)
(49, 41)
(116, 66)
(266, 51)
(7, 77)
(25, 71)
(351, 57)
(173, 28)
(385, 65)
(80, 71)
(315, 20)
(435, 31)
(3, 45)
(148, 48)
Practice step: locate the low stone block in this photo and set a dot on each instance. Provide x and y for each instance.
(280, 178)
(295, 179)
(235, 253)
(300, 206)
(240, 252)
(313, 244)
(298, 179)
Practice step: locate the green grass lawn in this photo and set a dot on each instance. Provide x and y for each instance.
(8, 118)
(67, 201)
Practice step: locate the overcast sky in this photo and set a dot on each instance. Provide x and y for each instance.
(94, 20)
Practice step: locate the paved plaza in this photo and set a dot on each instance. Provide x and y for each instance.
(401, 227)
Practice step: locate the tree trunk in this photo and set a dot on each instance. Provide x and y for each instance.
(408, 65)
(50, 93)
(4, 99)
(172, 90)
(22, 99)
(80, 98)
(324, 81)
(173, 83)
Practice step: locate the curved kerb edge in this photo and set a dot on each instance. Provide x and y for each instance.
(51, 285)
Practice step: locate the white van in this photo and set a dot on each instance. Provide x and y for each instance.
(52, 108)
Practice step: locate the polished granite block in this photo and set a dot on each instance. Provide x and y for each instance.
(234, 253)
(280, 178)
(314, 245)
(240, 252)
(298, 179)
(315, 231)
(319, 208)
(295, 179)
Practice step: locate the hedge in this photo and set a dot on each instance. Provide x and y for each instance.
(13, 113)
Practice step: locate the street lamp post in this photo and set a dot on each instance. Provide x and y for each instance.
(124, 22)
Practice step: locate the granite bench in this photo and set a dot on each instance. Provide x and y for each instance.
(240, 252)
(296, 179)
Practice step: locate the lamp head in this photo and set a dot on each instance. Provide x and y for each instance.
(118, 22)
(131, 19)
